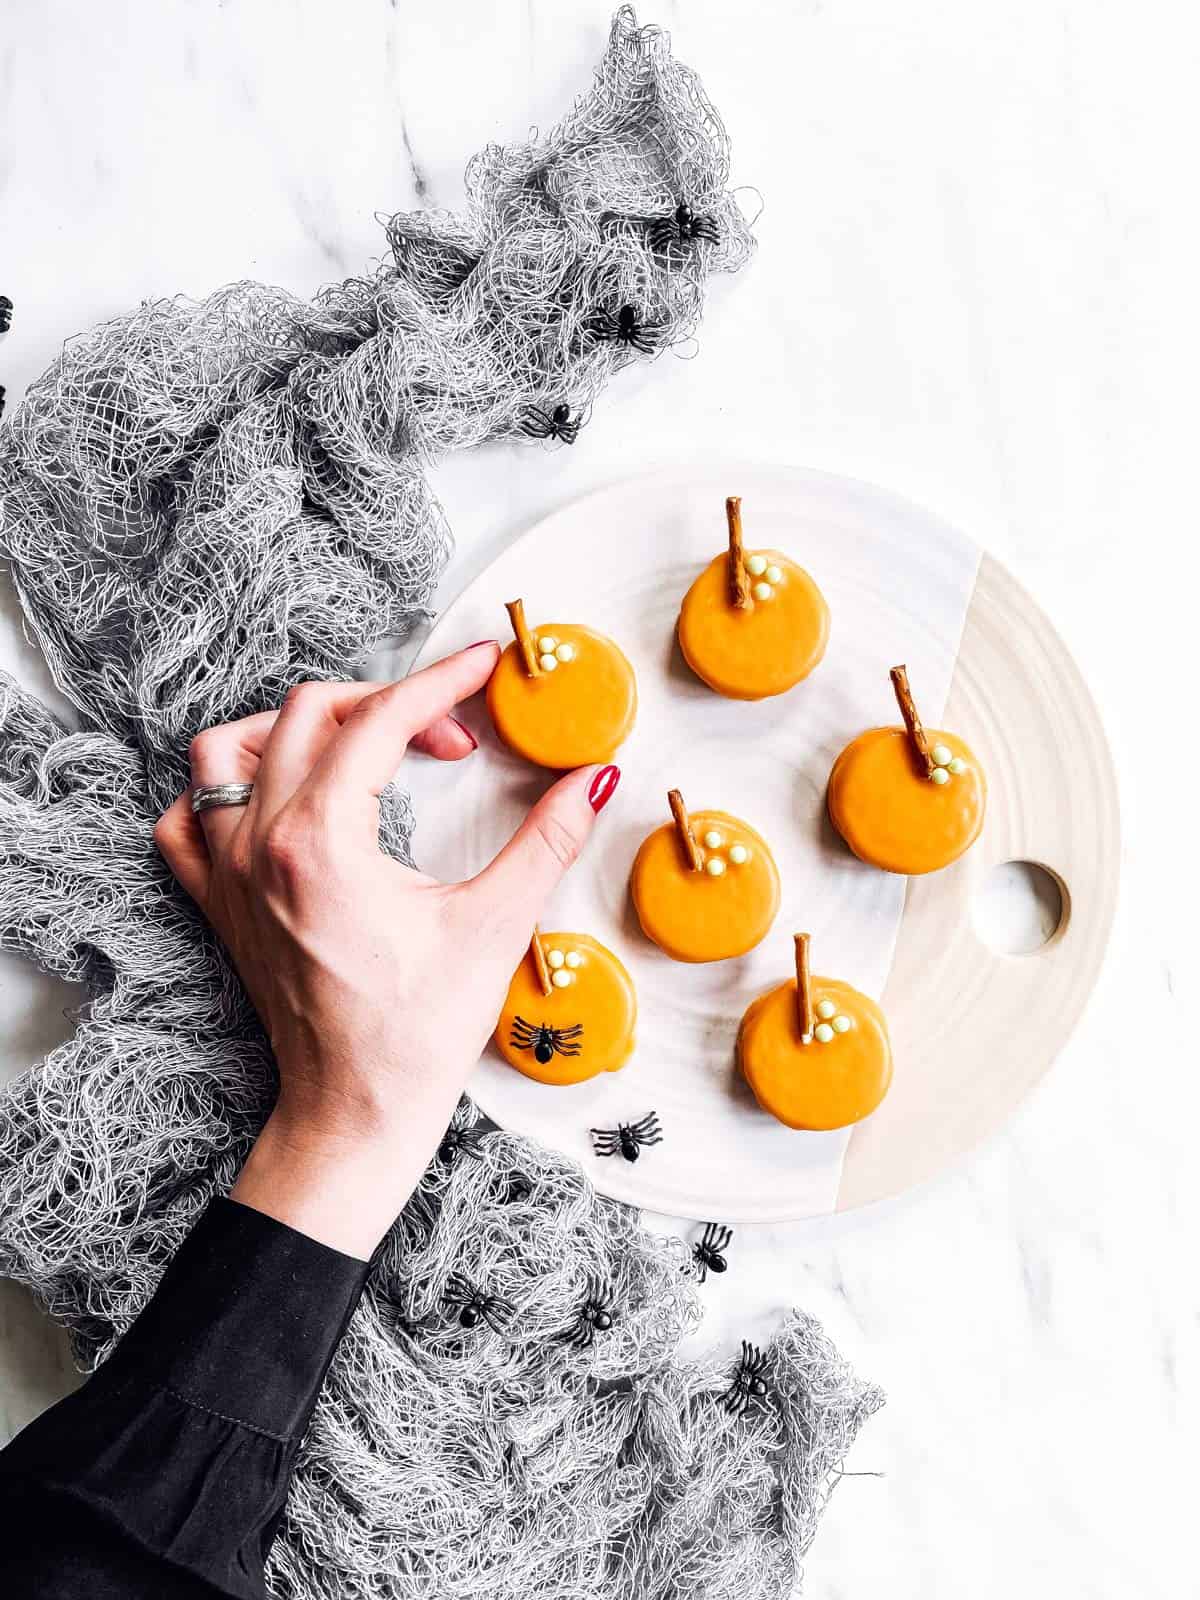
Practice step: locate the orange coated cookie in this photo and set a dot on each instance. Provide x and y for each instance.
(564, 696)
(754, 623)
(584, 1026)
(708, 900)
(907, 799)
(830, 1076)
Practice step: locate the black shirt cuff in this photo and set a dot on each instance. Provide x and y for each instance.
(246, 1320)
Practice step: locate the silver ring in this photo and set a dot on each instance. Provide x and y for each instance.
(207, 795)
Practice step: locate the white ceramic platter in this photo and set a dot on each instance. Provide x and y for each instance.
(972, 1030)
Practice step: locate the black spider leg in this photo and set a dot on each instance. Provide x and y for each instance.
(648, 1130)
(522, 1033)
(538, 425)
(707, 1253)
(496, 1312)
(605, 1141)
(460, 1291)
(461, 1141)
(597, 1304)
(742, 1392)
(601, 325)
(645, 342)
(563, 1042)
(706, 228)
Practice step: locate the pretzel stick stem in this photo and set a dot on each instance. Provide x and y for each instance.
(912, 722)
(805, 1016)
(739, 578)
(516, 615)
(684, 829)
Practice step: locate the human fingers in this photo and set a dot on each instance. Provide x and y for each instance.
(180, 840)
(364, 755)
(513, 889)
(228, 753)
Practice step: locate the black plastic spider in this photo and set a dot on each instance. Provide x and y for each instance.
(682, 227)
(594, 1316)
(556, 424)
(627, 1137)
(545, 1041)
(6, 311)
(707, 1252)
(748, 1387)
(461, 1142)
(475, 1305)
(623, 327)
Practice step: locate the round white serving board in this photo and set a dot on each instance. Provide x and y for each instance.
(972, 1030)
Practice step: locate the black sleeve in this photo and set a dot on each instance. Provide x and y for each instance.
(165, 1474)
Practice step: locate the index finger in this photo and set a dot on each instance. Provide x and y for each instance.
(363, 756)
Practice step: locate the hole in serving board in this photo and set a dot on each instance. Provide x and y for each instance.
(1019, 907)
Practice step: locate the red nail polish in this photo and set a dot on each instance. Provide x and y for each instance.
(603, 787)
(479, 642)
(462, 727)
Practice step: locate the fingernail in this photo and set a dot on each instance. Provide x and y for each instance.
(462, 728)
(603, 787)
(495, 643)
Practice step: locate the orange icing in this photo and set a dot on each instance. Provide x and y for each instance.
(600, 1000)
(695, 917)
(815, 1086)
(763, 650)
(892, 815)
(571, 717)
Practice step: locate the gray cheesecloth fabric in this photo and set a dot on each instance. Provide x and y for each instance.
(203, 504)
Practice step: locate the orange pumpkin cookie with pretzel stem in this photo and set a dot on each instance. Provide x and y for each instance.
(815, 1052)
(705, 886)
(907, 799)
(562, 696)
(570, 1012)
(754, 623)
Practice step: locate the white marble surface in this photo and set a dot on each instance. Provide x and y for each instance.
(976, 285)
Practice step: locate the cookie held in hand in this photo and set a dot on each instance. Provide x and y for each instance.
(562, 697)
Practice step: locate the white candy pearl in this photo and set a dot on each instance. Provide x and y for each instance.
(547, 663)
(940, 775)
(774, 575)
(826, 1009)
(561, 979)
(555, 958)
(738, 854)
(942, 755)
(957, 765)
(547, 643)
(714, 866)
(824, 1032)
(713, 839)
(756, 565)
(842, 1024)
(565, 652)
(806, 1038)
(763, 591)
(574, 959)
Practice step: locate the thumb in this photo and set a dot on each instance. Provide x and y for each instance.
(531, 865)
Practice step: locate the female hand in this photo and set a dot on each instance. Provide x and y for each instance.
(378, 986)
